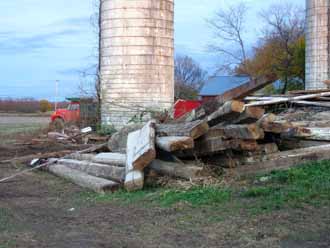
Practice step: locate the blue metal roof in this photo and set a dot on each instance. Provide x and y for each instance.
(220, 84)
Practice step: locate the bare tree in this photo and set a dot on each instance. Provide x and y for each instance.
(285, 24)
(229, 29)
(189, 78)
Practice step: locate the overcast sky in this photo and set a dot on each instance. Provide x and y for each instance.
(45, 40)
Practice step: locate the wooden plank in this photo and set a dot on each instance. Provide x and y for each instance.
(245, 132)
(307, 92)
(144, 147)
(82, 179)
(177, 170)
(244, 90)
(288, 99)
(115, 159)
(228, 112)
(140, 153)
(113, 173)
(285, 160)
(314, 103)
(193, 129)
(174, 143)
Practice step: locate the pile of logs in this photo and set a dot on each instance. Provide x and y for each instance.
(236, 136)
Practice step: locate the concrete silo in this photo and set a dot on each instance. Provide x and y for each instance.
(317, 43)
(137, 58)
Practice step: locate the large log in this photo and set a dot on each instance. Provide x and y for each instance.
(174, 143)
(115, 159)
(177, 170)
(193, 129)
(245, 132)
(244, 90)
(82, 179)
(285, 160)
(228, 112)
(114, 173)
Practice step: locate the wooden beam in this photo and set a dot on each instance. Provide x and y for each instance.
(82, 179)
(115, 159)
(113, 173)
(250, 115)
(174, 143)
(177, 170)
(193, 129)
(144, 146)
(229, 111)
(134, 179)
(285, 160)
(245, 132)
(276, 127)
(313, 133)
(244, 90)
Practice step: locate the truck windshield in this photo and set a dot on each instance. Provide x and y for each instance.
(73, 107)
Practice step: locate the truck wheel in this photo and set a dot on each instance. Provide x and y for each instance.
(57, 125)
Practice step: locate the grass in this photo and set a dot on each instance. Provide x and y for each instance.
(7, 129)
(308, 184)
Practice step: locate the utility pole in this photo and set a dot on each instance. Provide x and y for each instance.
(56, 93)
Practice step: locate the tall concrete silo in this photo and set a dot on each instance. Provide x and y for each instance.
(137, 58)
(317, 43)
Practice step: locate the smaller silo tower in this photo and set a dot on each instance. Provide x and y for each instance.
(137, 59)
(317, 43)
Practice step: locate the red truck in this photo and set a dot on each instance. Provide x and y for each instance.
(80, 112)
(69, 115)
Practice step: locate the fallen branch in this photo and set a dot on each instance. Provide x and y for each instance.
(27, 170)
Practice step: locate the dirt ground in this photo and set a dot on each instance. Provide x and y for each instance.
(40, 210)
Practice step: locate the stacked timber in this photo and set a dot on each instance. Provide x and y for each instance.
(235, 135)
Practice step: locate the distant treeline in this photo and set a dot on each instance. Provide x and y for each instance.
(27, 105)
